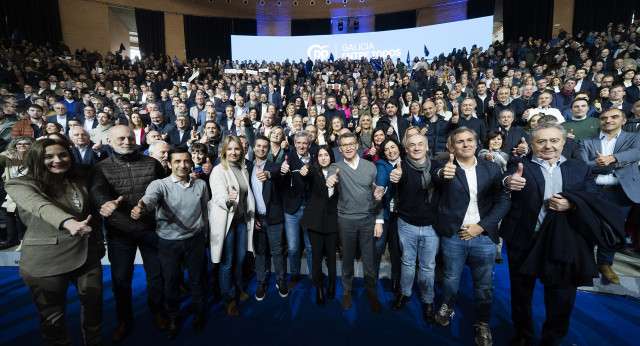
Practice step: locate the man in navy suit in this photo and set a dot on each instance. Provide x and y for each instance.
(536, 181)
(472, 203)
(616, 100)
(613, 157)
(61, 117)
(266, 184)
(274, 97)
(584, 84)
(633, 92)
(86, 153)
(179, 135)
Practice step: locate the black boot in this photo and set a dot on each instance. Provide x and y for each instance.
(395, 287)
(320, 296)
(331, 291)
(173, 329)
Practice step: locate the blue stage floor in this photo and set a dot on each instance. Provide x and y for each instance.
(597, 319)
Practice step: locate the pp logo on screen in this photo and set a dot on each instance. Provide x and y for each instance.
(317, 51)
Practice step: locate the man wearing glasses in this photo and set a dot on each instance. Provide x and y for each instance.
(357, 206)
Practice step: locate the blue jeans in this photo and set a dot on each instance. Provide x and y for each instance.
(233, 252)
(268, 236)
(122, 252)
(481, 253)
(419, 242)
(292, 230)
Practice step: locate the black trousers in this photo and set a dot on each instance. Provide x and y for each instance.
(558, 302)
(172, 254)
(50, 296)
(322, 244)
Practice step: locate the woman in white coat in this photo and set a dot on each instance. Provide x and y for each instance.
(231, 219)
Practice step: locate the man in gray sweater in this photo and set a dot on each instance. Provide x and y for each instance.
(359, 216)
(180, 205)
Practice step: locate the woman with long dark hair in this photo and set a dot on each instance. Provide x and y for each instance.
(321, 219)
(63, 241)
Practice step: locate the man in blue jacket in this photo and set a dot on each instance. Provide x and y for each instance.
(472, 203)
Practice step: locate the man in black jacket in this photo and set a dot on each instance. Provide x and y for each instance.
(266, 186)
(118, 183)
(394, 125)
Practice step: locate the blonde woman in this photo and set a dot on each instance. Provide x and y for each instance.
(231, 220)
(364, 132)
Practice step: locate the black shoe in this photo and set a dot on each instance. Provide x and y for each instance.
(395, 287)
(320, 296)
(400, 302)
(518, 341)
(121, 332)
(173, 329)
(199, 320)
(374, 304)
(428, 314)
(293, 282)
(283, 290)
(331, 291)
(261, 292)
(7, 244)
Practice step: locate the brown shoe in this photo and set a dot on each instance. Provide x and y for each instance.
(121, 332)
(244, 296)
(609, 274)
(232, 309)
(161, 319)
(346, 300)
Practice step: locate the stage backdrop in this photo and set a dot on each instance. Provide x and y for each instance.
(440, 38)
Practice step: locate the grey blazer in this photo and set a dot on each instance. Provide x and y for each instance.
(626, 151)
(47, 248)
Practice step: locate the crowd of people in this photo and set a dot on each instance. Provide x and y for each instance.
(436, 161)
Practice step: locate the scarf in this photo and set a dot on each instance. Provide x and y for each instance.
(424, 167)
(567, 93)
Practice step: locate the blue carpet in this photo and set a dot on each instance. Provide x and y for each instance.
(597, 319)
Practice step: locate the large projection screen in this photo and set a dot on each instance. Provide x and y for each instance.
(440, 38)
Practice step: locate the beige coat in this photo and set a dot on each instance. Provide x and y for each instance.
(220, 217)
(47, 249)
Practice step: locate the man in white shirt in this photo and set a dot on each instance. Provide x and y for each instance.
(544, 102)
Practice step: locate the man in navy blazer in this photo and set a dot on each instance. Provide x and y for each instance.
(86, 153)
(266, 184)
(535, 184)
(179, 135)
(616, 100)
(294, 202)
(585, 84)
(472, 203)
(613, 157)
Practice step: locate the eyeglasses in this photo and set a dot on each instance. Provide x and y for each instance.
(23, 144)
(348, 145)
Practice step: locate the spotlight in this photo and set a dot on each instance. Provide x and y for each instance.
(340, 26)
(245, 2)
(312, 2)
(356, 25)
(295, 3)
(328, 2)
(344, 1)
(279, 3)
(262, 2)
(228, 1)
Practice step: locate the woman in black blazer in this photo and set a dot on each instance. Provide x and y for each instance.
(320, 216)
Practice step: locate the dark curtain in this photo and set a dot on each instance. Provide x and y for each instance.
(480, 8)
(207, 37)
(528, 18)
(150, 25)
(243, 26)
(591, 15)
(304, 27)
(38, 21)
(396, 20)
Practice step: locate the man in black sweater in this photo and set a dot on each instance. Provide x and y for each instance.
(416, 212)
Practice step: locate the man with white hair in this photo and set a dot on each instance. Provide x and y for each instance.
(86, 153)
(159, 150)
